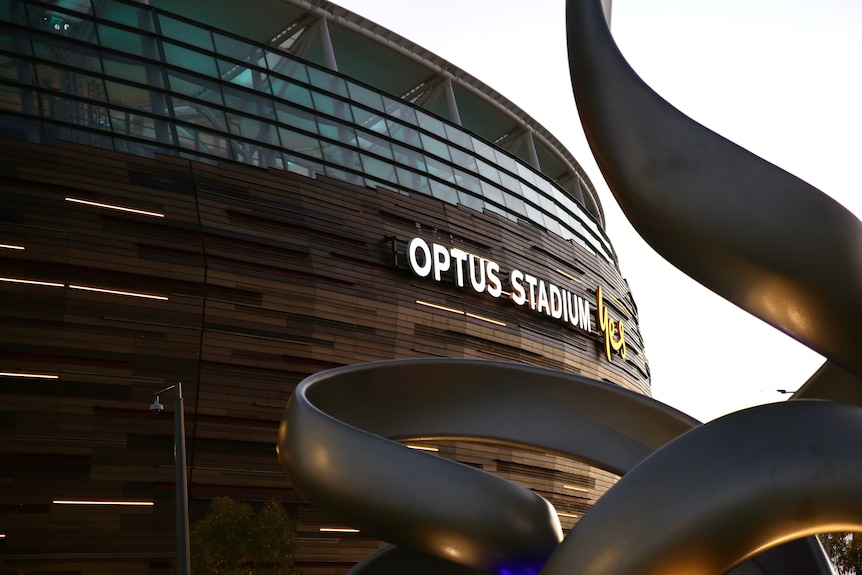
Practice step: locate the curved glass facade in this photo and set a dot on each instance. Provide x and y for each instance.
(135, 79)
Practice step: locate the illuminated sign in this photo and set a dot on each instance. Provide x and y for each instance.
(524, 289)
(615, 337)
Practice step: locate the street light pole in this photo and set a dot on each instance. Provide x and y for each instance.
(181, 478)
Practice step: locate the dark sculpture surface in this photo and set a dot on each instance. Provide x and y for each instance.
(743, 492)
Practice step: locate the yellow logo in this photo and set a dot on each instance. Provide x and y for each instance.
(615, 337)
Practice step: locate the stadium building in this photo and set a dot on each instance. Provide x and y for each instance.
(238, 195)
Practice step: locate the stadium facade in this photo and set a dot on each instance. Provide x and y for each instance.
(237, 198)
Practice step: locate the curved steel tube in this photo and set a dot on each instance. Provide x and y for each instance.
(724, 492)
(753, 233)
(331, 443)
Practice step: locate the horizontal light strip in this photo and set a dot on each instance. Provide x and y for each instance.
(568, 275)
(422, 447)
(11, 247)
(488, 319)
(116, 292)
(338, 530)
(622, 305)
(459, 312)
(576, 488)
(92, 502)
(2, 536)
(30, 375)
(113, 207)
(442, 307)
(30, 282)
(562, 514)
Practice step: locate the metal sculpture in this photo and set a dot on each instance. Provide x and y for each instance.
(336, 422)
(693, 499)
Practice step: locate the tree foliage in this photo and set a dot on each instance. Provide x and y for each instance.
(231, 539)
(845, 550)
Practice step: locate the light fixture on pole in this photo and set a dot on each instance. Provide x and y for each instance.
(182, 486)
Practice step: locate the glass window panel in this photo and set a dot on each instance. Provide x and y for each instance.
(434, 146)
(128, 14)
(444, 192)
(251, 78)
(337, 131)
(137, 98)
(364, 96)
(69, 111)
(468, 181)
(544, 186)
(17, 41)
(408, 157)
(492, 192)
(379, 169)
(248, 127)
(187, 33)
(534, 215)
(302, 166)
(329, 105)
(403, 133)
(341, 156)
(286, 66)
(369, 120)
(459, 137)
(204, 141)
(13, 12)
(400, 110)
(128, 42)
(195, 87)
(552, 225)
(291, 92)
(547, 204)
(471, 201)
(463, 159)
(327, 82)
(190, 59)
(18, 99)
(510, 183)
(526, 173)
(430, 123)
(439, 169)
(375, 144)
(296, 117)
(198, 113)
(488, 171)
(57, 49)
(236, 99)
(253, 153)
(134, 70)
(237, 49)
(506, 161)
(514, 204)
(344, 176)
(484, 150)
(495, 209)
(300, 143)
(70, 82)
(413, 181)
(129, 123)
(529, 193)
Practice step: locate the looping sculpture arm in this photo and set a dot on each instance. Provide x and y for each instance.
(332, 445)
(753, 233)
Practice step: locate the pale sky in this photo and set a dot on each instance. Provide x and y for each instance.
(779, 77)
